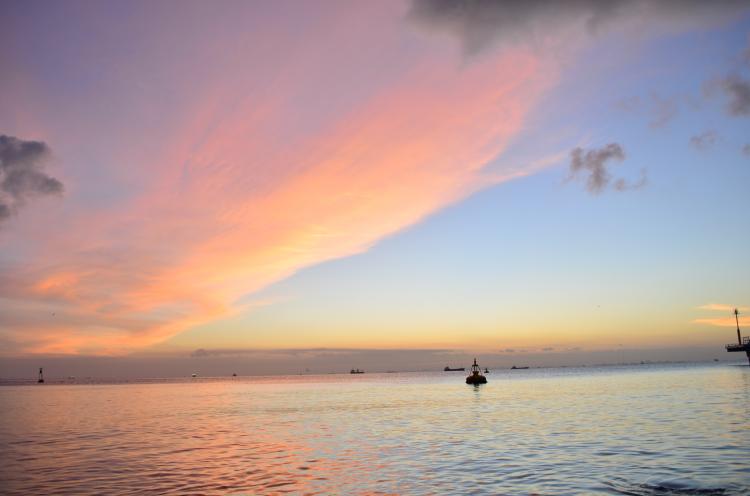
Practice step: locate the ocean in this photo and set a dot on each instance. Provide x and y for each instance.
(637, 430)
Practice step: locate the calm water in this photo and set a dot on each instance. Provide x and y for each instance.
(638, 430)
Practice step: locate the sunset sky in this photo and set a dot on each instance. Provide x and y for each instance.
(478, 177)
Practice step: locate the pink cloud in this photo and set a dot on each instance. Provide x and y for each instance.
(728, 320)
(722, 307)
(723, 321)
(249, 185)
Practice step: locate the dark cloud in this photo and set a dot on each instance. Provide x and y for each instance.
(704, 140)
(734, 87)
(659, 110)
(594, 163)
(479, 23)
(746, 150)
(664, 110)
(623, 185)
(21, 174)
(629, 104)
(738, 93)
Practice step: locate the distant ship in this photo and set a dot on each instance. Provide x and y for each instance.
(518, 368)
(356, 371)
(457, 369)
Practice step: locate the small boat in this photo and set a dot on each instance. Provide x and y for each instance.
(356, 371)
(457, 369)
(518, 368)
(194, 376)
(476, 377)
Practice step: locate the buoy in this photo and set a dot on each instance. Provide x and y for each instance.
(41, 376)
(476, 377)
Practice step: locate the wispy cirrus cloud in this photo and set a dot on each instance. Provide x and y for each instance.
(722, 307)
(723, 321)
(295, 143)
(704, 141)
(727, 320)
(663, 111)
(254, 182)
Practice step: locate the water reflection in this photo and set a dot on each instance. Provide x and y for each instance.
(668, 430)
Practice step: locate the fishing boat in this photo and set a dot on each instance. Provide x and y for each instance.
(518, 368)
(456, 369)
(476, 376)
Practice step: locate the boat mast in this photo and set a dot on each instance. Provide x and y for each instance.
(737, 320)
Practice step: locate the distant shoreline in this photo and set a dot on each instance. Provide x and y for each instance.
(90, 381)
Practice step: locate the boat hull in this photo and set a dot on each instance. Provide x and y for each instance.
(476, 379)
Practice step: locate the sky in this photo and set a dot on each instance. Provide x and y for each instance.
(280, 186)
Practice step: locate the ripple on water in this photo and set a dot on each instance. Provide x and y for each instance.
(670, 430)
(668, 487)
